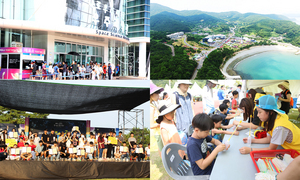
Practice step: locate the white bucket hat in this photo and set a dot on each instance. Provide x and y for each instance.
(214, 82)
(165, 108)
(184, 82)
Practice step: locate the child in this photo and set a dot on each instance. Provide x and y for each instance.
(33, 146)
(39, 150)
(234, 100)
(26, 155)
(217, 119)
(282, 132)
(14, 156)
(147, 152)
(73, 155)
(53, 155)
(133, 152)
(229, 110)
(201, 161)
(118, 153)
(169, 133)
(125, 152)
(90, 154)
(223, 113)
(141, 156)
(93, 75)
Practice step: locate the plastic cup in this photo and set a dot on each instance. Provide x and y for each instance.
(249, 141)
(226, 144)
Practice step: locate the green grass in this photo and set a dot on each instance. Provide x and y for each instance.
(157, 170)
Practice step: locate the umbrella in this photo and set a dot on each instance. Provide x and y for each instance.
(73, 53)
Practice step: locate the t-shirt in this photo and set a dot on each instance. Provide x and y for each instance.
(39, 148)
(224, 121)
(34, 68)
(285, 106)
(221, 94)
(121, 139)
(56, 69)
(65, 68)
(229, 109)
(45, 138)
(32, 147)
(131, 139)
(234, 103)
(21, 144)
(196, 150)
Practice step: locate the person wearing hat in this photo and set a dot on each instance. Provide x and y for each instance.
(154, 113)
(185, 113)
(168, 130)
(207, 97)
(285, 96)
(281, 131)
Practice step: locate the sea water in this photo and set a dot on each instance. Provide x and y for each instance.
(270, 65)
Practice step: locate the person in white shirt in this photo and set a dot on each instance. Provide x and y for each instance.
(207, 97)
(93, 74)
(36, 139)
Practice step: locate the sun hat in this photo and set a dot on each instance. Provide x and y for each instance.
(154, 88)
(285, 84)
(165, 108)
(269, 103)
(214, 82)
(184, 82)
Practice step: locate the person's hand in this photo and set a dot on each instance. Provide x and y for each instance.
(235, 123)
(245, 150)
(236, 133)
(245, 140)
(227, 147)
(220, 147)
(280, 98)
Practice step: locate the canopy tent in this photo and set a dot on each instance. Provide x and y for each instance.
(167, 89)
(271, 86)
(58, 98)
(195, 90)
(175, 87)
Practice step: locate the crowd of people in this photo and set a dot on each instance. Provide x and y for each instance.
(63, 71)
(73, 146)
(175, 114)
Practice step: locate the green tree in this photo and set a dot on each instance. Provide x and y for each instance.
(141, 135)
(12, 116)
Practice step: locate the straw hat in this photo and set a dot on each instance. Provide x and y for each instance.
(269, 103)
(165, 108)
(154, 88)
(184, 82)
(214, 82)
(285, 84)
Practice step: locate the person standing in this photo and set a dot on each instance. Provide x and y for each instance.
(109, 70)
(207, 97)
(185, 113)
(64, 70)
(221, 94)
(44, 71)
(75, 69)
(34, 69)
(131, 140)
(104, 71)
(286, 96)
(239, 89)
(118, 70)
(120, 139)
(154, 113)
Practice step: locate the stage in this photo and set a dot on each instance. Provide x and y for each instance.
(72, 170)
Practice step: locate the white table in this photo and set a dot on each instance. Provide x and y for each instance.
(231, 164)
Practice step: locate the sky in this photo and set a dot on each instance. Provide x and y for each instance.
(257, 6)
(108, 119)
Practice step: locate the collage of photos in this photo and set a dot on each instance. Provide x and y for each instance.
(223, 78)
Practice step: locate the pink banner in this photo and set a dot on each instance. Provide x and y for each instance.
(22, 50)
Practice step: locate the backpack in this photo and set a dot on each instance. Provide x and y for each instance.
(292, 100)
(177, 97)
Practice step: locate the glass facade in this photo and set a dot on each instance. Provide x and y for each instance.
(138, 18)
(97, 14)
(86, 53)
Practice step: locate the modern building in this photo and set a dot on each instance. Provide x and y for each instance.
(138, 20)
(176, 35)
(95, 29)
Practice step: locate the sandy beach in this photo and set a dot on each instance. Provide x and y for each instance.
(228, 68)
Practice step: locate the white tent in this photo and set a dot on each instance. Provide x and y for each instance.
(167, 89)
(272, 86)
(195, 90)
(175, 87)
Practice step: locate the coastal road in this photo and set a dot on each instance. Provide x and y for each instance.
(172, 48)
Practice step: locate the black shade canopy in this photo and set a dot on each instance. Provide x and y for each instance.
(58, 98)
(74, 53)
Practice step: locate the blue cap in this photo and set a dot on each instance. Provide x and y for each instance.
(268, 102)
